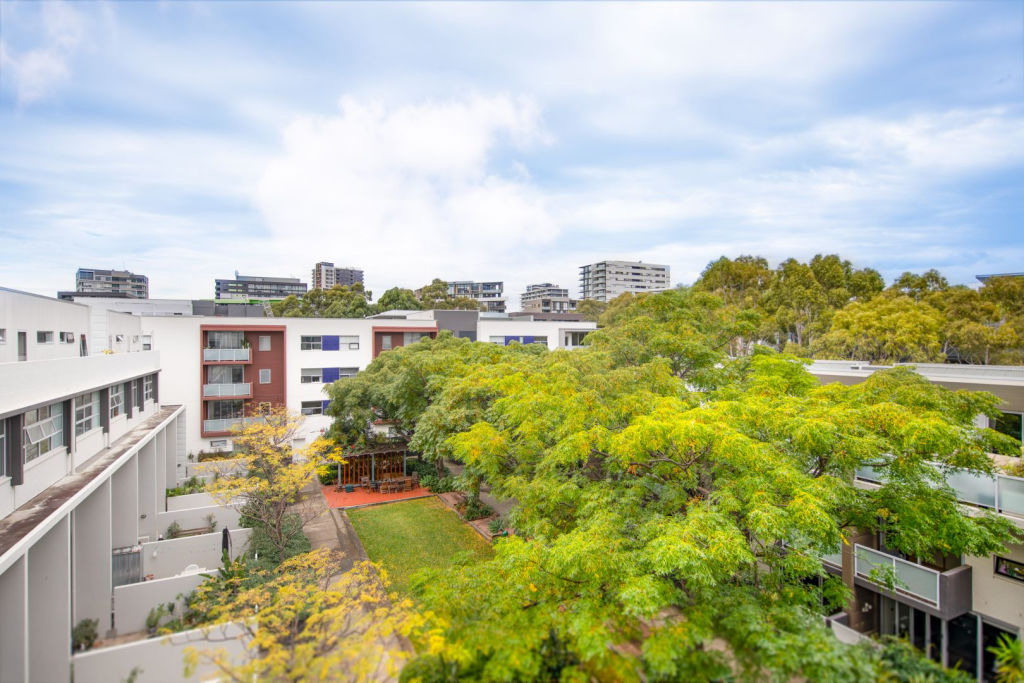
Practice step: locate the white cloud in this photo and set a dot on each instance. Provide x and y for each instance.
(409, 192)
(38, 72)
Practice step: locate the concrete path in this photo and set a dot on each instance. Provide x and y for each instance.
(331, 528)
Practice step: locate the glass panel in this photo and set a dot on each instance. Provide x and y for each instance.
(869, 473)
(1011, 495)
(918, 580)
(972, 488)
(1009, 424)
(963, 643)
(224, 339)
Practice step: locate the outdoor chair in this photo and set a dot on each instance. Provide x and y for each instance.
(364, 482)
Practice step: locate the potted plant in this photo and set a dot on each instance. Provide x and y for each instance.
(84, 635)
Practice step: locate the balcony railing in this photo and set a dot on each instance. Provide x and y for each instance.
(999, 492)
(912, 579)
(226, 424)
(241, 389)
(221, 355)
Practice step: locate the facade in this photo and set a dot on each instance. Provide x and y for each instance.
(952, 607)
(983, 278)
(606, 280)
(253, 287)
(547, 298)
(111, 283)
(490, 294)
(325, 276)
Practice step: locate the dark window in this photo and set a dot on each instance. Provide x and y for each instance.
(963, 643)
(1011, 424)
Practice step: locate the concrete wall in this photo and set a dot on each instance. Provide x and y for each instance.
(168, 558)
(30, 313)
(192, 500)
(195, 518)
(997, 596)
(132, 602)
(13, 625)
(91, 584)
(49, 605)
(160, 659)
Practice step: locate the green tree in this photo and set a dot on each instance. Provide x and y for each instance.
(340, 301)
(591, 309)
(886, 329)
(398, 299)
(435, 296)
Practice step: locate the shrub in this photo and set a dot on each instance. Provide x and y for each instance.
(189, 486)
(173, 531)
(328, 474)
(84, 635)
(902, 661)
(475, 509)
(424, 468)
(435, 485)
(496, 526)
(264, 550)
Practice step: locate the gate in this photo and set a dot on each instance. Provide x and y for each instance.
(127, 565)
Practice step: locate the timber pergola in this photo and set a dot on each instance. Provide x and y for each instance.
(385, 462)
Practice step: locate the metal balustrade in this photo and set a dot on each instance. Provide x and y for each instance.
(1000, 492)
(219, 390)
(222, 355)
(228, 423)
(910, 578)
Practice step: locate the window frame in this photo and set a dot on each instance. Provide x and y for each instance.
(351, 345)
(306, 342)
(268, 380)
(148, 386)
(260, 345)
(86, 423)
(44, 336)
(306, 374)
(115, 403)
(313, 408)
(50, 428)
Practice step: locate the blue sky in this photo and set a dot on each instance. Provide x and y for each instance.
(517, 141)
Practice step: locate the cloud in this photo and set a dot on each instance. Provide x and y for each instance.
(38, 72)
(410, 191)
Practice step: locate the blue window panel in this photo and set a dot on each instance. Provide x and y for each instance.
(527, 340)
(329, 342)
(325, 404)
(509, 340)
(331, 375)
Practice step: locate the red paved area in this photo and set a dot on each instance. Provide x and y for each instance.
(361, 496)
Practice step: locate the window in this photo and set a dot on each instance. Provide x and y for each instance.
(67, 337)
(116, 400)
(265, 376)
(312, 376)
(264, 342)
(1008, 568)
(119, 339)
(147, 342)
(3, 335)
(385, 342)
(348, 372)
(3, 448)
(223, 339)
(1010, 424)
(225, 374)
(310, 343)
(540, 340)
(413, 337)
(44, 337)
(223, 410)
(43, 431)
(312, 408)
(147, 388)
(496, 340)
(574, 338)
(351, 342)
(87, 412)
(218, 443)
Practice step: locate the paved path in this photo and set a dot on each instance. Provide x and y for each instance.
(331, 528)
(502, 506)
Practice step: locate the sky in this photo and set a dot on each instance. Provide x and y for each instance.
(505, 141)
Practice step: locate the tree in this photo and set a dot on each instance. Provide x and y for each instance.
(673, 505)
(340, 301)
(398, 299)
(918, 286)
(435, 296)
(269, 489)
(305, 620)
(591, 309)
(886, 329)
(742, 281)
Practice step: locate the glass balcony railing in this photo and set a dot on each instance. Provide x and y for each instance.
(221, 355)
(908, 577)
(226, 424)
(243, 389)
(999, 492)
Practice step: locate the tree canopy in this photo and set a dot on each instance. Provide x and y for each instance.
(672, 502)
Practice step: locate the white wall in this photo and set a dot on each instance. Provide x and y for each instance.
(30, 313)
(132, 602)
(168, 558)
(196, 518)
(997, 596)
(512, 327)
(160, 659)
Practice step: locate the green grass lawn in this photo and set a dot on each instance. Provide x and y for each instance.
(409, 536)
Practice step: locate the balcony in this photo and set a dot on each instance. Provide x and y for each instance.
(945, 594)
(228, 423)
(226, 355)
(239, 390)
(999, 492)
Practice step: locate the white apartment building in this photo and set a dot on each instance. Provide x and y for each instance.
(605, 280)
(955, 608)
(546, 298)
(326, 275)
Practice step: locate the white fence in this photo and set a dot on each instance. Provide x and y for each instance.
(168, 558)
(206, 470)
(197, 518)
(192, 500)
(157, 660)
(132, 602)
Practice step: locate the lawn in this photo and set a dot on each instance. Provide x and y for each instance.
(409, 536)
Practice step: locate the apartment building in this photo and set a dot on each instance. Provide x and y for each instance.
(97, 282)
(546, 298)
(605, 280)
(954, 608)
(326, 275)
(257, 287)
(490, 294)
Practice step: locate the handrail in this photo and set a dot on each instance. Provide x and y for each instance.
(227, 389)
(927, 590)
(1003, 493)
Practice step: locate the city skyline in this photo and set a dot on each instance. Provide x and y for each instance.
(185, 141)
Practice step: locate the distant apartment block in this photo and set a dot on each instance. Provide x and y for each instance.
(490, 294)
(95, 282)
(258, 287)
(983, 278)
(547, 298)
(325, 276)
(606, 280)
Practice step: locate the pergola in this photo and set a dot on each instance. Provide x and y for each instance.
(386, 462)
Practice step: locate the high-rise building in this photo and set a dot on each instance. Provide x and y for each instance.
(96, 282)
(258, 287)
(606, 280)
(547, 298)
(491, 294)
(325, 276)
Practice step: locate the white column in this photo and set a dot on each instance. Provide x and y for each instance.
(14, 622)
(91, 545)
(49, 599)
(149, 501)
(124, 504)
